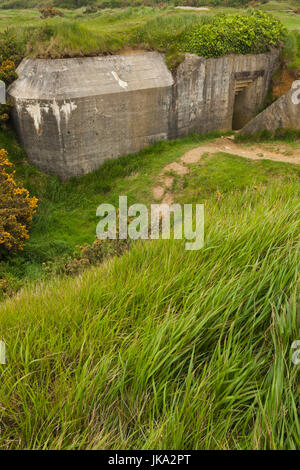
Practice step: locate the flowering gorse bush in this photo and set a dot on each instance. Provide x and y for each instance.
(49, 12)
(7, 75)
(11, 53)
(7, 71)
(11, 47)
(16, 209)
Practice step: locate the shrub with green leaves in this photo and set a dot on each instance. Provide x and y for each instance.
(11, 47)
(253, 33)
(7, 75)
(11, 52)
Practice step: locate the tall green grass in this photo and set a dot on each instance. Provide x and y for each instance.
(163, 348)
(66, 210)
(66, 214)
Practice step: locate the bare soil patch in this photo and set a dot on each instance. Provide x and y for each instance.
(161, 192)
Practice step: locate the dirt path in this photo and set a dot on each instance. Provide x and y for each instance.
(224, 144)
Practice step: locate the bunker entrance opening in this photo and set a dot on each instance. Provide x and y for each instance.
(241, 103)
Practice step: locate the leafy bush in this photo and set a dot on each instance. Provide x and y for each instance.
(7, 75)
(9, 284)
(16, 209)
(49, 12)
(11, 52)
(11, 48)
(4, 115)
(91, 9)
(8, 71)
(88, 255)
(253, 33)
(291, 50)
(208, 36)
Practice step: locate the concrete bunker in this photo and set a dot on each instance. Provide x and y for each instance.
(73, 114)
(284, 113)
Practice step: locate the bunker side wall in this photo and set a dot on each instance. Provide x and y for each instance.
(74, 137)
(204, 91)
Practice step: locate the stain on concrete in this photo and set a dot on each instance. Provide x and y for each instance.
(120, 82)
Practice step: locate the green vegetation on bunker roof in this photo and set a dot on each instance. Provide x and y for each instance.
(252, 33)
(166, 30)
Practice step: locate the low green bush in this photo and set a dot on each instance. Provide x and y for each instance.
(11, 47)
(253, 33)
(250, 33)
(86, 256)
(11, 53)
(291, 50)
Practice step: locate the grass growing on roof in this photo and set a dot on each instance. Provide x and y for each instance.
(167, 30)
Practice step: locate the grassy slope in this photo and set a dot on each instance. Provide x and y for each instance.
(66, 214)
(67, 211)
(163, 348)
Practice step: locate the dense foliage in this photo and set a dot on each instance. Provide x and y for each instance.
(49, 12)
(243, 34)
(88, 255)
(16, 209)
(7, 71)
(11, 52)
(11, 47)
(7, 75)
(291, 51)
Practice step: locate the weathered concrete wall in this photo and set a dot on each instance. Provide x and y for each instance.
(283, 113)
(73, 114)
(205, 97)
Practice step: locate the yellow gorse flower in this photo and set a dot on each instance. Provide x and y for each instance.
(16, 208)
